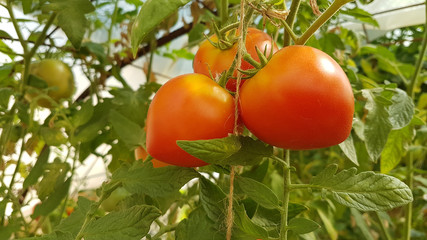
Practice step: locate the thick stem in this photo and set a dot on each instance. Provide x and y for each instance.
(16, 26)
(290, 21)
(329, 12)
(113, 22)
(410, 182)
(286, 192)
(419, 64)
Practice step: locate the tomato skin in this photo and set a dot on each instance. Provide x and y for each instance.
(188, 107)
(56, 74)
(140, 153)
(209, 58)
(301, 99)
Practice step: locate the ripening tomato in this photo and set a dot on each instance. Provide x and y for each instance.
(301, 99)
(140, 153)
(58, 77)
(209, 58)
(188, 107)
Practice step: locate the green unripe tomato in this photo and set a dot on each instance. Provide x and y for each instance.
(110, 204)
(58, 77)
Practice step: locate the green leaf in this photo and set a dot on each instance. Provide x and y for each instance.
(377, 126)
(83, 115)
(212, 198)
(152, 13)
(7, 231)
(74, 222)
(4, 34)
(211, 150)
(361, 15)
(198, 227)
(5, 94)
(26, 6)
(259, 192)
(97, 123)
(53, 200)
(38, 168)
(132, 223)
(349, 150)
(252, 152)
(52, 136)
(402, 109)
(53, 177)
(128, 131)
(302, 225)
(366, 191)
(95, 48)
(71, 17)
(156, 182)
(395, 147)
(245, 224)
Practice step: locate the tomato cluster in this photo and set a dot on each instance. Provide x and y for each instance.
(301, 99)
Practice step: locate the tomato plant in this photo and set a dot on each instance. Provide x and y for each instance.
(58, 77)
(188, 107)
(212, 60)
(140, 153)
(301, 99)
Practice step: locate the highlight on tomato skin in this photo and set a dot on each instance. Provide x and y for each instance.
(211, 60)
(187, 107)
(302, 99)
(140, 153)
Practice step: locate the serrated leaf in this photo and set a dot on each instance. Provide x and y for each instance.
(128, 131)
(89, 131)
(156, 182)
(213, 149)
(377, 126)
(366, 191)
(395, 147)
(258, 192)
(71, 17)
(74, 222)
(302, 225)
(212, 198)
(349, 150)
(53, 200)
(402, 109)
(152, 13)
(83, 115)
(132, 223)
(198, 227)
(38, 168)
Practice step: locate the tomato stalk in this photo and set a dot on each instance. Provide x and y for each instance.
(224, 12)
(329, 12)
(290, 21)
(384, 231)
(286, 192)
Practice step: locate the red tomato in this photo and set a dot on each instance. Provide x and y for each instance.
(140, 153)
(209, 58)
(188, 107)
(301, 99)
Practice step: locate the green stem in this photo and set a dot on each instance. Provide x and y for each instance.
(289, 30)
(150, 64)
(164, 229)
(290, 21)
(228, 28)
(410, 182)
(94, 207)
(419, 64)
(224, 12)
(384, 231)
(329, 12)
(113, 22)
(16, 26)
(286, 192)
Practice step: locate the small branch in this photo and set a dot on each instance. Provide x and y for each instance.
(16, 26)
(409, 207)
(223, 12)
(290, 20)
(384, 231)
(329, 12)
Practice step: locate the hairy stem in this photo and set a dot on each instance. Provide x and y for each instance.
(384, 231)
(410, 182)
(329, 12)
(286, 192)
(224, 12)
(290, 21)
